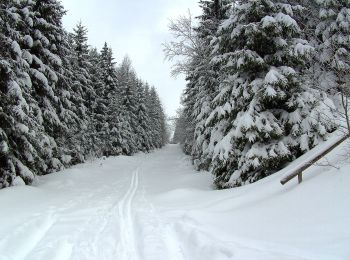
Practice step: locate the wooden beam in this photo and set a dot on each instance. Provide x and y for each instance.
(298, 171)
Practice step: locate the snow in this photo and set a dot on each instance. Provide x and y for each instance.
(23, 171)
(302, 49)
(4, 148)
(18, 181)
(155, 206)
(274, 77)
(15, 90)
(15, 48)
(22, 128)
(27, 56)
(66, 158)
(267, 21)
(287, 21)
(28, 40)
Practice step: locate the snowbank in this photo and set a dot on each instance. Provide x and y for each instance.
(154, 206)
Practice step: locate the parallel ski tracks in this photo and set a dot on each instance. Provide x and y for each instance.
(128, 248)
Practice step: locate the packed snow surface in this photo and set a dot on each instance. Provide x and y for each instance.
(155, 206)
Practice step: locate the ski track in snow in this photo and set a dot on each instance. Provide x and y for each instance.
(26, 242)
(128, 248)
(152, 207)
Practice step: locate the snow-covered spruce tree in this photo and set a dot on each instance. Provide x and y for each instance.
(188, 101)
(45, 71)
(263, 116)
(213, 12)
(108, 108)
(127, 82)
(15, 118)
(52, 90)
(149, 107)
(99, 102)
(29, 149)
(157, 117)
(333, 31)
(67, 106)
(84, 90)
(71, 106)
(143, 121)
(181, 129)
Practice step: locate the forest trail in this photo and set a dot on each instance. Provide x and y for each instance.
(104, 211)
(128, 246)
(155, 206)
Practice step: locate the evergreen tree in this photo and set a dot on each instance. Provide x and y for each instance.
(156, 113)
(143, 122)
(181, 129)
(31, 147)
(45, 71)
(60, 101)
(17, 143)
(127, 84)
(263, 116)
(99, 102)
(109, 108)
(188, 101)
(213, 13)
(149, 107)
(333, 32)
(84, 91)
(81, 47)
(70, 104)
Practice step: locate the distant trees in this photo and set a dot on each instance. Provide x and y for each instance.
(62, 101)
(252, 102)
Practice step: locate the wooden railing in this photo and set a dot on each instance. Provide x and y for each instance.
(289, 175)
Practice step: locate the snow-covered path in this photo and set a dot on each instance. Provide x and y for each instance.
(154, 206)
(97, 210)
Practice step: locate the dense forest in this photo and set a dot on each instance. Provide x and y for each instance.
(267, 80)
(63, 102)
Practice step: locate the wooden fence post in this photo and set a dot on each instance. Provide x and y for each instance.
(300, 177)
(299, 170)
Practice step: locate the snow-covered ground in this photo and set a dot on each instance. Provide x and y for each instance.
(154, 206)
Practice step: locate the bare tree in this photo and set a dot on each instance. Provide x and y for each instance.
(186, 48)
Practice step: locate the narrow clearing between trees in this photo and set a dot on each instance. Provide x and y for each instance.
(155, 206)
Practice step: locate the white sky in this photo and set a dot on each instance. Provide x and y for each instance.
(136, 28)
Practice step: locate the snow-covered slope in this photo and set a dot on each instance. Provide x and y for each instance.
(154, 206)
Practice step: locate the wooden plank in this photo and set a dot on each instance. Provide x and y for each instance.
(298, 171)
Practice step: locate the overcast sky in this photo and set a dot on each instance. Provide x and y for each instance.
(136, 28)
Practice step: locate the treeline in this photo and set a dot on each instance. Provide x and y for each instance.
(263, 77)
(62, 102)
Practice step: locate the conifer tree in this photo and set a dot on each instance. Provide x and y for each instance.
(127, 84)
(69, 108)
(213, 13)
(157, 117)
(45, 71)
(99, 101)
(31, 146)
(84, 90)
(143, 122)
(17, 144)
(263, 116)
(188, 101)
(333, 31)
(61, 101)
(109, 106)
